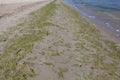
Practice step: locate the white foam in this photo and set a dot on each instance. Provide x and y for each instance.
(92, 17)
(107, 23)
(117, 30)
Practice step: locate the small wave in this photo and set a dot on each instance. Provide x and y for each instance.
(105, 7)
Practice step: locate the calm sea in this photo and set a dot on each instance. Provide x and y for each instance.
(104, 12)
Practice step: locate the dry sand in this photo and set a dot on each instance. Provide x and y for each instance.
(12, 12)
(17, 1)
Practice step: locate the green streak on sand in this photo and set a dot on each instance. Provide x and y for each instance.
(21, 44)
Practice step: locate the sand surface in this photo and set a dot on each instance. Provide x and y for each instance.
(11, 13)
(17, 1)
(56, 43)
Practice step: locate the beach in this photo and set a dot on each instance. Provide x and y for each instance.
(50, 40)
(17, 1)
(12, 12)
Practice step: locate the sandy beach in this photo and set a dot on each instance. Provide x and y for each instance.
(49, 40)
(18, 1)
(14, 10)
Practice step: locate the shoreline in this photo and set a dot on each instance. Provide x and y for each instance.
(107, 33)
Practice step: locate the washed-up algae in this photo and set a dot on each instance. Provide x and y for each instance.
(19, 43)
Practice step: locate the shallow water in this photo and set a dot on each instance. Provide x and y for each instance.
(104, 12)
(103, 5)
